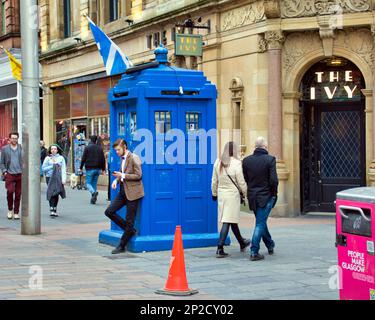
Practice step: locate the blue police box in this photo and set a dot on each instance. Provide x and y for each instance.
(167, 116)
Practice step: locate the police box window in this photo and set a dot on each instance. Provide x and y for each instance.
(133, 122)
(162, 121)
(192, 121)
(121, 124)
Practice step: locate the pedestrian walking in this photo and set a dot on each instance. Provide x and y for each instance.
(43, 155)
(54, 168)
(106, 155)
(228, 188)
(94, 162)
(129, 177)
(11, 168)
(261, 177)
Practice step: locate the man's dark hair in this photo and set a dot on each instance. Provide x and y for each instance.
(120, 142)
(14, 134)
(93, 138)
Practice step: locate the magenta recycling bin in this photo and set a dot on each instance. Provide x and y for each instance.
(355, 236)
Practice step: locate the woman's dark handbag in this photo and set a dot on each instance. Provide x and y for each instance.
(242, 197)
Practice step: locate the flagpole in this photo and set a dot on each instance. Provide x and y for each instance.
(30, 216)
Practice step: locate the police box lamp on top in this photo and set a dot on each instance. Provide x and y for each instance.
(153, 101)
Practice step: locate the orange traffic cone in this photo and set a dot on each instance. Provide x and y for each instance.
(177, 284)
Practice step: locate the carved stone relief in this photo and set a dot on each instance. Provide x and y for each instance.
(242, 16)
(274, 39)
(305, 8)
(297, 45)
(359, 41)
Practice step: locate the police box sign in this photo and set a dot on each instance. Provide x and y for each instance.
(188, 45)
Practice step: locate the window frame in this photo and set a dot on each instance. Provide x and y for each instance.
(3, 18)
(113, 10)
(67, 19)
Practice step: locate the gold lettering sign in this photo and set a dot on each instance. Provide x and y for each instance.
(188, 45)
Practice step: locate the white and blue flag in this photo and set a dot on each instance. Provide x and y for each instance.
(115, 60)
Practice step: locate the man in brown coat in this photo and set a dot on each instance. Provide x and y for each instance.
(131, 191)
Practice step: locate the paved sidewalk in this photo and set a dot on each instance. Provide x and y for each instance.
(76, 266)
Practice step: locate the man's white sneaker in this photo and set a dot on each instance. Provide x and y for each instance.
(10, 215)
(16, 216)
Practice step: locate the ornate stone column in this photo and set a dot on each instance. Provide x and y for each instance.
(275, 41)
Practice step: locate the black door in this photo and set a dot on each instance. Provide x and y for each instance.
(341, 151)
(332, 152)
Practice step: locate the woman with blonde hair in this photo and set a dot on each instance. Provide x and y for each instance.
(228, 188)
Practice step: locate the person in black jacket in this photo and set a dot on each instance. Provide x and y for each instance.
(43, 155)
(94, 162)
(261, 177)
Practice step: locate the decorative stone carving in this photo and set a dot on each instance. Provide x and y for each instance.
(326, 33)
(272, 9)
(297, 45)
(305, 8)
(274, 39)
(262, 44)
(236, 87)
(359, 41)
(242, 16)
(237, 104)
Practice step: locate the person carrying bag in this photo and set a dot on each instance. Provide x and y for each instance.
(229, 195)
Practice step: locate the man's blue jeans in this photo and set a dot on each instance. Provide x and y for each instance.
(261, 231)
(92, 177)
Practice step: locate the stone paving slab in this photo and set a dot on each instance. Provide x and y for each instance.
(76, 266)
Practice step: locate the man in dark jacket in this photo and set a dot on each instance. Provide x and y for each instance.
(94, 162)
(43, 155)
(261, 177)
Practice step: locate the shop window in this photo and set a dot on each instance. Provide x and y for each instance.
(63, 136)
(62, 102)
(78, 100)
(121, 124)
(100, 128)
(162, 121)
(115, 80)
(192, 121)
(97, 97)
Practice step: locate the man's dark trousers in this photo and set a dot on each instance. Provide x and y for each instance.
(131, 209)
(261, 231)
(13, 183)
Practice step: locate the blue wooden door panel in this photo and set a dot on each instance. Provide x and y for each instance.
(164, 176)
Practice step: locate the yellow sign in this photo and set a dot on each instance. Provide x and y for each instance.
(188, 45)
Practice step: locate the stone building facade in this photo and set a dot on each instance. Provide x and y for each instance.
(299, 72)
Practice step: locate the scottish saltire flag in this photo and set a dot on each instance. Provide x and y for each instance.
(115, 60)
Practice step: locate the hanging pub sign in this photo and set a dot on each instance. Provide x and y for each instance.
(188, 45)
(334, 84)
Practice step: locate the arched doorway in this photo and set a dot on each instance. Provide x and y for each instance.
(332, 128)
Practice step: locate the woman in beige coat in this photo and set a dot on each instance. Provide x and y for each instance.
(227, 192)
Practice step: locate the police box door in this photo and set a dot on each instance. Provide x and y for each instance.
(179, 187)
(332, 136)
(193, 173)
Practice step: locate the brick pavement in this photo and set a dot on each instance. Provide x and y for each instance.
(76, 266)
